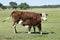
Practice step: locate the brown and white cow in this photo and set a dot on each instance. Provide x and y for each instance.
(28, 19)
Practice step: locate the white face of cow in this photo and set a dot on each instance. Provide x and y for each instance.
(44, 17)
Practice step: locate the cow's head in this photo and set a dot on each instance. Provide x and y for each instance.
(43, 16)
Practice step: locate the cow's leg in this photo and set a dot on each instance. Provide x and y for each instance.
(14, 25)
(16, 20)
(40, 29)
(29, 28)
(34, 29)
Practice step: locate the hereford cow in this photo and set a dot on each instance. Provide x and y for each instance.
(28, 18)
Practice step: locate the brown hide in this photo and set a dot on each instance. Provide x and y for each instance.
(29, 18)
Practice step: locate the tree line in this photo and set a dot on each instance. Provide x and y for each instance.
(14, 5)
(46, 6)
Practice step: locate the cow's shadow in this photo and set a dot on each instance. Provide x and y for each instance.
(39, 33)
(42, 32)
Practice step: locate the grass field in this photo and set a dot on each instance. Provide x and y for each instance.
(51, 26)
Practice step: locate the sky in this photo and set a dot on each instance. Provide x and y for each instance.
(32, 2)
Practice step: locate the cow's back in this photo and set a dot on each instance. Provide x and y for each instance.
(35, 18)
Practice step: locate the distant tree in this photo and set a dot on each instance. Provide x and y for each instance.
(3, 7)
(24, 6)
(1, 4)
(13, 5)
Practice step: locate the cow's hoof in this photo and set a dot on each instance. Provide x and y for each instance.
(16, 32)
(29, 32)
(41, 33)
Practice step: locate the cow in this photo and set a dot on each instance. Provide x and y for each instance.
(29, 19)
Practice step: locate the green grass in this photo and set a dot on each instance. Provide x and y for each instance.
(51, 26)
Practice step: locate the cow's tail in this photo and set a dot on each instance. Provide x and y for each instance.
(8, 17)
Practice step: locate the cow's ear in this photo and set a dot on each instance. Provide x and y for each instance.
(40, 14)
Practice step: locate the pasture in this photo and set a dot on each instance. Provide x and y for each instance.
(50, 28)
